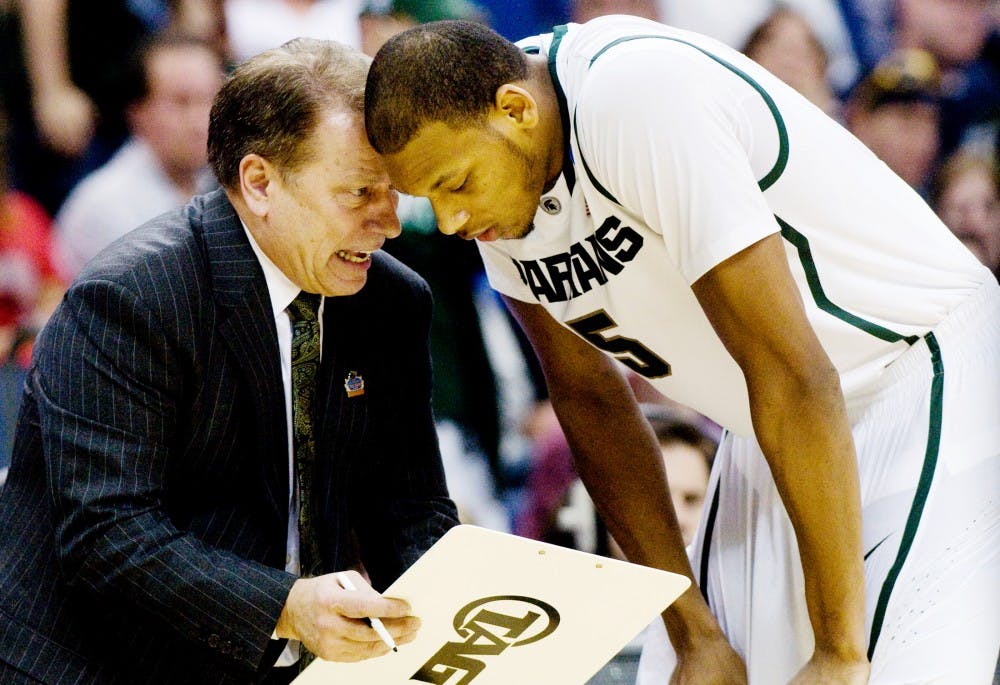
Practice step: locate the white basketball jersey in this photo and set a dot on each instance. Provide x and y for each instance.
(682, 152)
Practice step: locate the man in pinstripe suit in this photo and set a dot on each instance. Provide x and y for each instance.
(145, 529)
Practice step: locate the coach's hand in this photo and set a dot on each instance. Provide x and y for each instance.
(329, 620)
(711, 662)
(831, 669)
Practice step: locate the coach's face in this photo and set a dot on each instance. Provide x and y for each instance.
(484, 180)
(323, 220)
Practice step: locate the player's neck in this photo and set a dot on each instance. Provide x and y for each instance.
(550, 125)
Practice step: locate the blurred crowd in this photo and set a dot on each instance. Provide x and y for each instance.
(103, 120)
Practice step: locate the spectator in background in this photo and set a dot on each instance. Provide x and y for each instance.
(895, 111)
(382, 19)
(733, 22)
(966, 195)
(205, 19)
(585, 10)
(952, 30)
(29, 291)
(163, 163)
(257, 25)
(687, 456)
(957, 33)
(786, 45)
(688, 445)
(66, 63)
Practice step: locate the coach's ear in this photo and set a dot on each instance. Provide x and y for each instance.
(256, 177)
(516, 105)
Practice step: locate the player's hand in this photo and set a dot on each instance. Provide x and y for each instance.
(712, 662)
(825, 668)
(329, 620)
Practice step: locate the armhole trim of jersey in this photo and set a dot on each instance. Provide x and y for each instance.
(801, 244)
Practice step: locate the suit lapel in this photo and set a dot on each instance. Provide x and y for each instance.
(247, 327)
(343, 417)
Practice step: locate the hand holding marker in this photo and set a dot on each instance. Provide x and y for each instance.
(375, 623)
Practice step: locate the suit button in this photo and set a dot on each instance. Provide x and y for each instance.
(213, 641)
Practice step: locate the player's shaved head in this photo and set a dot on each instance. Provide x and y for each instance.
(445, 71)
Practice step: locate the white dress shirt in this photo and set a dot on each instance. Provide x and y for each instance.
(282, 292)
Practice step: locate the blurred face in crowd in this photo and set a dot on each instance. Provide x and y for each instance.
(904, 135)
(585, 10)
(953, 30)
(787, 47)
(970, 207)
(322, 220)
(376, 29)
(687, 472)
(173, 118)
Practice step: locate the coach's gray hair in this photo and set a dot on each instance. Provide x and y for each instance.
(272, 102)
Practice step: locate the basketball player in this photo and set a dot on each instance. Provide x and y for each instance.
(649, 197)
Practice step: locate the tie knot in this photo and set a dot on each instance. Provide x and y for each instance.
(304, 307)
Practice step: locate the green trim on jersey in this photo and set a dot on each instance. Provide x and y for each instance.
(920, 497)
(801, 244)
(706, 543)
(590, 174)
(568, 171)
(783, 146)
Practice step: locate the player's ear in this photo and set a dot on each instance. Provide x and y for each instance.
(517, 105)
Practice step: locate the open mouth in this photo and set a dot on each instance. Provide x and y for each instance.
(354, 257)
(486, 235)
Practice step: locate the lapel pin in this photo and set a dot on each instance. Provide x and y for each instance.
(354, 385)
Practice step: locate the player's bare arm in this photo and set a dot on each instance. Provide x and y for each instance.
(800, 421)
(617, 456)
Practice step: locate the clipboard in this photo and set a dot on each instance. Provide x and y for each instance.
(498, 609)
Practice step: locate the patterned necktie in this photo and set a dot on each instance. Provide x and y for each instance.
(305, 365)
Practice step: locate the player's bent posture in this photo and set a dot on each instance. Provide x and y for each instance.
(647, 195)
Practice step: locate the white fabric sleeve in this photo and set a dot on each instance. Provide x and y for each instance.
(666, 130)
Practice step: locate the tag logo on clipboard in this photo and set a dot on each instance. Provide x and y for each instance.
(502, 621)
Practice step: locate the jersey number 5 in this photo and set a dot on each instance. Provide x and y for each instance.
(628, 351)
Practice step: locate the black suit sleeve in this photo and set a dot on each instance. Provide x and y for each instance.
(109, 430)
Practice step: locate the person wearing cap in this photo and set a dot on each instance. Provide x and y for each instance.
(895, 111)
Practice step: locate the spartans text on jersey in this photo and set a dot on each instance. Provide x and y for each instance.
(595, 259)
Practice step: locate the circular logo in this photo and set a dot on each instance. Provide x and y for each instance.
(551, 205)
(521, 610)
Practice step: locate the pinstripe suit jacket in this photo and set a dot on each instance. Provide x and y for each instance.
(143, 524)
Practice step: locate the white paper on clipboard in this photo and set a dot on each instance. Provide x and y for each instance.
(497, 609)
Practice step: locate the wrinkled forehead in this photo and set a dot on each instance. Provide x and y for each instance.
(338, 142)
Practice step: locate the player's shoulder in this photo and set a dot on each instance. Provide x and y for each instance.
(610, 35)
(612, 54)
